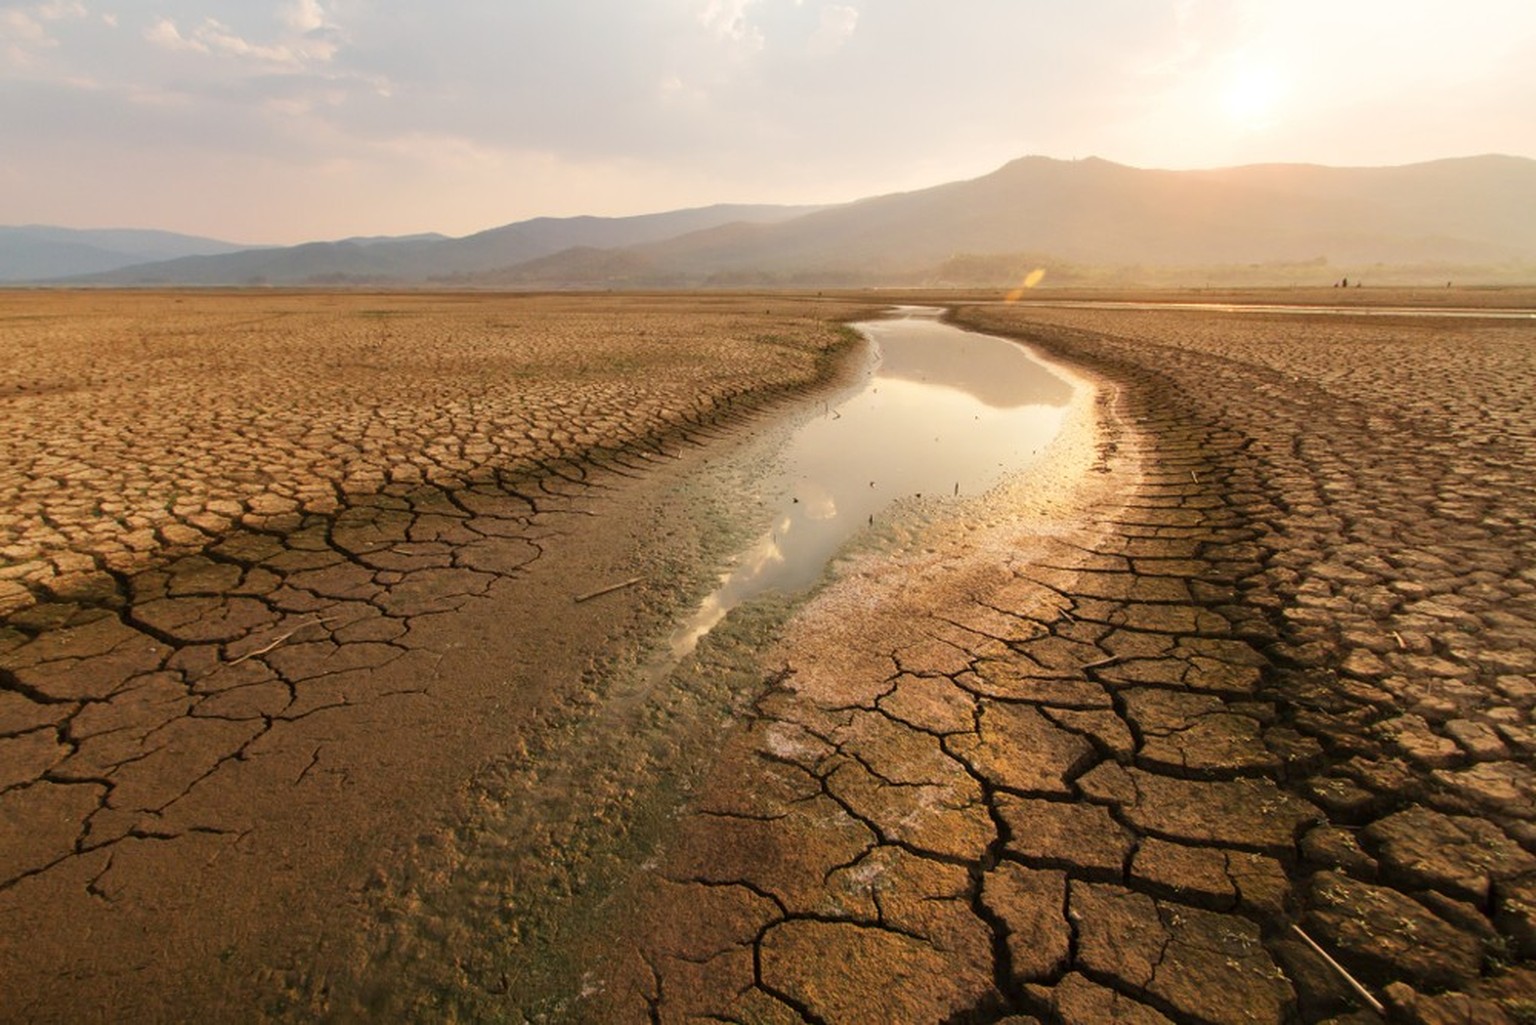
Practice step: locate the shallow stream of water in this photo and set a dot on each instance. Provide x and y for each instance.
(523, 888)
(942, 412)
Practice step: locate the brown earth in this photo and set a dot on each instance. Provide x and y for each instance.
(288, 582)
(1256, 653)
(1269, 667)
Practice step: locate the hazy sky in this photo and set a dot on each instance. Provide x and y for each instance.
(288, 120)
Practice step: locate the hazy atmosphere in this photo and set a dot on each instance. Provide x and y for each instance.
(277, 122)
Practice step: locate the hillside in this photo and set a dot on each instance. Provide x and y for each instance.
(35, 251)
(1085, 220)
(1476, 210)
(423, 259)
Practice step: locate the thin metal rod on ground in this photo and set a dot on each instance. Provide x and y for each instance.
(631, 582)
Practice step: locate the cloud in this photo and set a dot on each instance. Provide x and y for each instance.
(727, 19)
(838, 23)
(58, 10)
(167, 36)
(20, 27)
(24, 29)
(310, 41)
(304, 16)
(638, 105)
(221, 38)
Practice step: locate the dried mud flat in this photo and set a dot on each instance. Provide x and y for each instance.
(1258, 653)
(283, 572)
(1121, 750)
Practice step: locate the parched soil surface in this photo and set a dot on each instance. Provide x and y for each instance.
(138, 425)
(282, 572)
(1124, 749)
(299, 721)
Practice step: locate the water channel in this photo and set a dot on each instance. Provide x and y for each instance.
(941, 412)
(937, 411)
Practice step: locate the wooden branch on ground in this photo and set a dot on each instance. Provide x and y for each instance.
(317, 621)
(631, 582)
(1354, 983)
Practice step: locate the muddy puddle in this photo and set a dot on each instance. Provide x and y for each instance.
(941, 412)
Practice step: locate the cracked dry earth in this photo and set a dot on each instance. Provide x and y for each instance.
(1269, 665)
(281, 571)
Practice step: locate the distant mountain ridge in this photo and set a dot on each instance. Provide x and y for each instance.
(427, 258)
(1068, 216)
(1095, 212)
(34, 251)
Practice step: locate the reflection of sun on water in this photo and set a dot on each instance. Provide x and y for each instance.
(943, 412)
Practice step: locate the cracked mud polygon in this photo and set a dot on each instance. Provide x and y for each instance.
(298, 719)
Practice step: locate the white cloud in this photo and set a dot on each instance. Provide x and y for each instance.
(23, 28)
(166, 35)
(727, 19)
(17, 25)
(213, 36)
(838, 23)
(304, 16)
(220, 37)
(784, 100)
(58, 10)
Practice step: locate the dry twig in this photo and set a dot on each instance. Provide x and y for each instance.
(317, 621)
(1354, 983)
(631, 582)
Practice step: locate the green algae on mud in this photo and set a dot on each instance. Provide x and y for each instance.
(501, 910)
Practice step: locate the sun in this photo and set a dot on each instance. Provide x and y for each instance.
(1252, 97)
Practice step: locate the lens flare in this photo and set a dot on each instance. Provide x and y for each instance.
(1031, 279)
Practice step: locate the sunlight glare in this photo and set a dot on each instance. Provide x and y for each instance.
(1252, 97)
(1032, 279)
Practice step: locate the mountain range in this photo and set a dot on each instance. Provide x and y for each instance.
(38, 252)
(1080, 220)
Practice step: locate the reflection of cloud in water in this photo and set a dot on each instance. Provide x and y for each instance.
(705, 618)
(983, 367)
(752, 565)
(816, 502)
